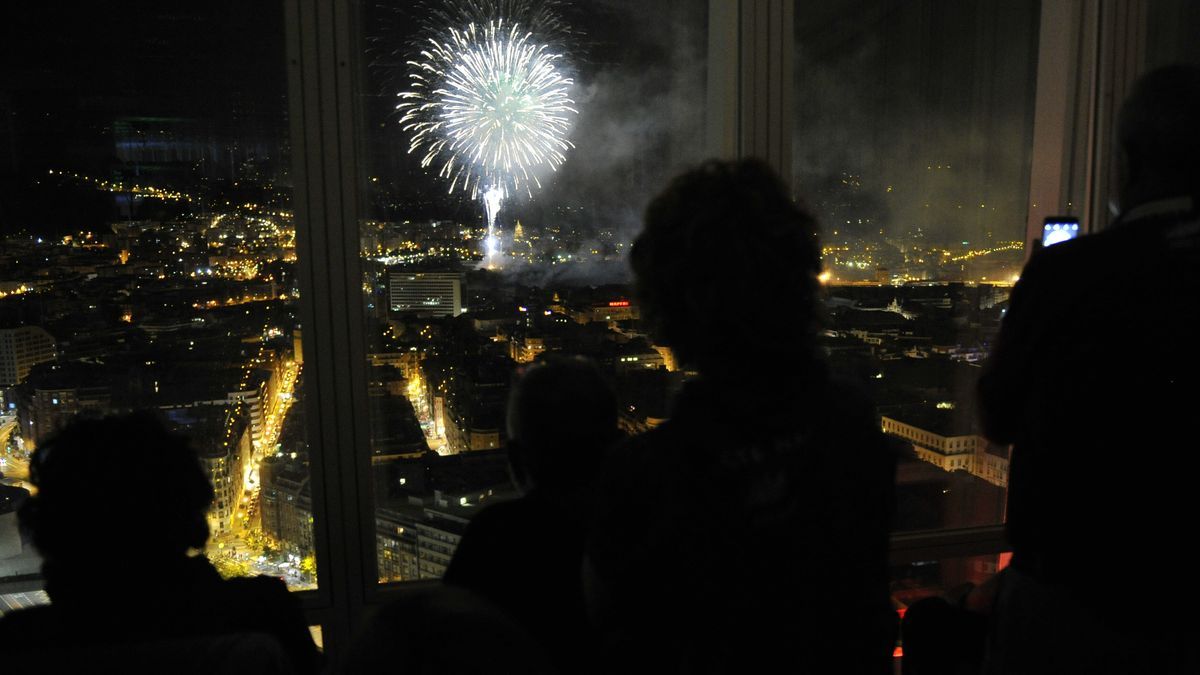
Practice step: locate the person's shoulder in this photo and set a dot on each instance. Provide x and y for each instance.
(501, 514)
(31, 638)
(1068, 256)
(636, 467)
(841, 406)
(261, 583)
(642, 452)
(262, 590)
(1119, 242)
(505, 508)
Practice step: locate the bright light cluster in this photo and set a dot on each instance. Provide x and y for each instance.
(490, 105)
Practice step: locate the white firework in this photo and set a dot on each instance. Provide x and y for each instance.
(491, 106)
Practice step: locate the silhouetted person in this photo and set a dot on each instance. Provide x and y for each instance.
(942, 637)
(443, 630)
(120, 502)
(525, 555)
(748, 533)
(1093, 379)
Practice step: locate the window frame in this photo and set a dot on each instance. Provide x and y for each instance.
(1084, 69)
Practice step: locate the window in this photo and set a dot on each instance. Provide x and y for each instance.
(912, 143)
(148, 258)
(470, 269)
(217, 230)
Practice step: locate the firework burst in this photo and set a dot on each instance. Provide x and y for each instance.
(489, 107)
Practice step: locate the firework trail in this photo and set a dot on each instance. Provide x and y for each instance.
(492, 199)
(489, 105)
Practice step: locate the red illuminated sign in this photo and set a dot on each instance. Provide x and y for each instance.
(619, 303)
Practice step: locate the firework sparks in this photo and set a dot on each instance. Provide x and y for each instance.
(489, 105)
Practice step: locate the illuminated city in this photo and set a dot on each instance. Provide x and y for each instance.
(209, 303)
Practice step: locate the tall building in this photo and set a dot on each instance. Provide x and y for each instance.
(221, 435)
(21, 349)
(427, 293)
(286, 502)
(56, 393)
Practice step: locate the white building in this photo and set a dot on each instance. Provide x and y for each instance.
(426, 293)
(968, 453)
(20, 350)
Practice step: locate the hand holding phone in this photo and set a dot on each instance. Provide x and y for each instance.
(1057, 229)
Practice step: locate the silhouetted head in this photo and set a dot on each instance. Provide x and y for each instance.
(562, 415)
(1158, 132)
(443, 630)
(726, 269)
(121, 488)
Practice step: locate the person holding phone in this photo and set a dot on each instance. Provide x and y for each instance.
(1093, 380)
(1058, 229)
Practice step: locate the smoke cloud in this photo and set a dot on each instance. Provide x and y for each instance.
(640, 92)
(916, 116)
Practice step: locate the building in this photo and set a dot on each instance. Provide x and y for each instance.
(55, 393)
(20, 350)
(606, 311)
(478, 430)
(635, 354)
(953, 452)
(426, 293)
(416, 536)
(395, 430)
(395, 544)
(526, 348)
(222, 437)
(473, 409)
(286, 499)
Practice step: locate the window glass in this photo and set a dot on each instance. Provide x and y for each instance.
(912, 143)
(148, 257)
(481, 252)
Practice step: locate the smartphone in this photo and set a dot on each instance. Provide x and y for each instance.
(1057, 229)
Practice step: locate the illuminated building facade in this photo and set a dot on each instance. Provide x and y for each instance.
(223, 439)
(968, 452)
(287, 503)
(610, 310)
(20, 350)
(426, 293)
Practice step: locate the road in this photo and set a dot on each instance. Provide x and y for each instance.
(14, 464)
(416, 395)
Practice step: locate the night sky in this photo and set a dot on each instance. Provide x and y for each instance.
(148, 92)
(155, 91)
(195, 98)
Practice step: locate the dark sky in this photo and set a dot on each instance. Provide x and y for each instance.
(933, 98)
(173, 92)
(165, 90)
